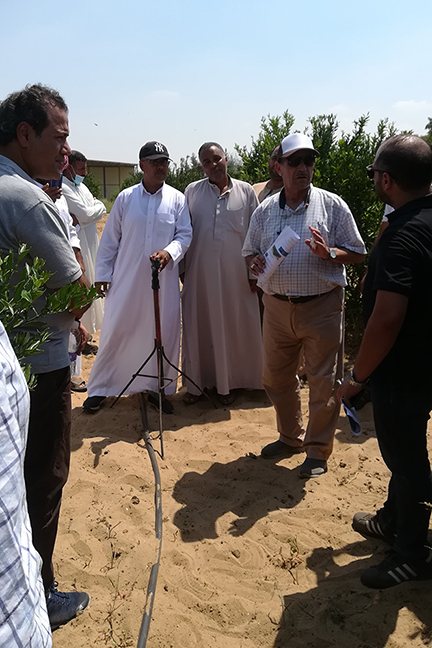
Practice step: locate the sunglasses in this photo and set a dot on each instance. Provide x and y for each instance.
(296, 160)
(160, 162)
(371, 170)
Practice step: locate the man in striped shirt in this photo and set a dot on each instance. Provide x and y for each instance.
(23, 614)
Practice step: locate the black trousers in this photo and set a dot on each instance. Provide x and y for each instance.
(47, 459)
(401, 413)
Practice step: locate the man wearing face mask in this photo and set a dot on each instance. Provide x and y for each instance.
(303, 302)
(85, 210)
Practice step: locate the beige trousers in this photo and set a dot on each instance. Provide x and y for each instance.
(315, 326)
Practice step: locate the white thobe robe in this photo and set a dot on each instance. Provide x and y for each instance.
(88, 210)
(72, 233)
(222, 342)
(139, 224)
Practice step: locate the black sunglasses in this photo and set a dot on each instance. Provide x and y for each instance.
(160, 162)
(296, 160)
(371, 170)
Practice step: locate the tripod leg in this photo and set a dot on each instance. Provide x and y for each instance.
(182, 373)
(135, 375)
(160, 359)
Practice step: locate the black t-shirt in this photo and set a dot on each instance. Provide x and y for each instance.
(401, 262)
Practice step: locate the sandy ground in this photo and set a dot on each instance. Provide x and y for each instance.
(252, 556)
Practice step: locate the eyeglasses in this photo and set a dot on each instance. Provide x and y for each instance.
(371, 170)
(159, 162)
(296, 160)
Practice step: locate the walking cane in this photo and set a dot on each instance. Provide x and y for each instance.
(158, 349)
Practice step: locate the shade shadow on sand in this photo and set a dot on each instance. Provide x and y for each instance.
(122, 422)
(343, 430)
(249, 487)
(341, 612)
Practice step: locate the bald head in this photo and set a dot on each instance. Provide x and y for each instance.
(408, 160)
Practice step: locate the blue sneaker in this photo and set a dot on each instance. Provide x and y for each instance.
(64, 606)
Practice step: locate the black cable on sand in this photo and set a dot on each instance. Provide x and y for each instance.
(151, 587)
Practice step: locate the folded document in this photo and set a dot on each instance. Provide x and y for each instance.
(280, 249)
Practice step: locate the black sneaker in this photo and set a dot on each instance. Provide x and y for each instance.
(313, 468)
(93, 404)
(64, 606)
(279, 449)
(369, 526)
(394, 570)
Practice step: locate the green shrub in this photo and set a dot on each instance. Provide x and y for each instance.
(22, 284)
(92, 184)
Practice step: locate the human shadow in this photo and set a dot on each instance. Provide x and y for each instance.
(121, 423)
(341, 612)
(249, 487)
(209, 410)
(343, 430)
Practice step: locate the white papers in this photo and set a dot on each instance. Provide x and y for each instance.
(274, 256)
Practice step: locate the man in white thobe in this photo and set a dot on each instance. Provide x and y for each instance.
(53, 189)
(222, 345)
(149, 221)
(85, 210)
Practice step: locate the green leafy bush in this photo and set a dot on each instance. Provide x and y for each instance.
(92, 184)
(22, 285)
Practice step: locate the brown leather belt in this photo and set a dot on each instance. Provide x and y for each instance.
(297, 300)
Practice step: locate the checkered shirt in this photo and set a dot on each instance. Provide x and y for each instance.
(303, 273)
(23, 616)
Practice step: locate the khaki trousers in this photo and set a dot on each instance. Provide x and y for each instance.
(315, 326)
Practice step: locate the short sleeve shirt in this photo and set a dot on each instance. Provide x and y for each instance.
(401, 262)
(28, 215)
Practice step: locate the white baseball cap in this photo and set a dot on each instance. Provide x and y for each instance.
(296, 142)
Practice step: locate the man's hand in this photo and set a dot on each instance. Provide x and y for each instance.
(162, 256)
(53, 192)
(317, 244)
(347, 390)
(256, 263)
(102, 287)
(82, 337)
(80, 259)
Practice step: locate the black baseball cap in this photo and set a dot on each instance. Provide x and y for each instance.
(153, 150)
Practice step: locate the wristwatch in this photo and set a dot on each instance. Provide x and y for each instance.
(332, 254)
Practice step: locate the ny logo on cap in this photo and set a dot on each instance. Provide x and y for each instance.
(160, 148)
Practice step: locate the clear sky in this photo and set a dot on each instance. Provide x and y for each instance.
(187, 71)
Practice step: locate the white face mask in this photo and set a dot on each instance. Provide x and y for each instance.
(78, 179)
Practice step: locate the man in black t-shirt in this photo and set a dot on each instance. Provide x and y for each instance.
(398, 310)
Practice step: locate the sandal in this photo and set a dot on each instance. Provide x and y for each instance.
(79, 387)
(226, 399)
(191, 399)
